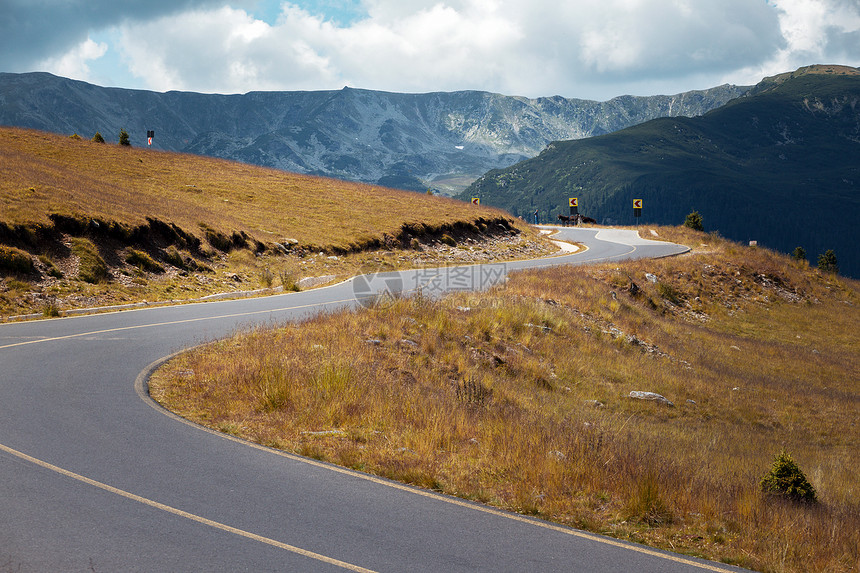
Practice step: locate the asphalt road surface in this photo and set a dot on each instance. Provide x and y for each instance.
(95, 477)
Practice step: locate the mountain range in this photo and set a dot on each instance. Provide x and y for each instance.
(779, 165)
(441, 140)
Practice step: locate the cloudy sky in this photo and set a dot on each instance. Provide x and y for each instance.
(593, 49)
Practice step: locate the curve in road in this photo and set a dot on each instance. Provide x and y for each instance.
(92, 478)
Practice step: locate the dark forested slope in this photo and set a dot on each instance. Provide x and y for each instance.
(780, 165)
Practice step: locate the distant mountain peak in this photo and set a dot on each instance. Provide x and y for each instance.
(817, 69)
(394, 139)
(804, 74)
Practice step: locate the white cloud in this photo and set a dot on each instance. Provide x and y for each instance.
(38, 31)
(656, 38)
(439, 48)
(813, 32)
(816, 27)
(576, 48)
(226, 50)
(75, 63)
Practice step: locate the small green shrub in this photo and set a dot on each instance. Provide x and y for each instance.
(694, 221)
(787, 480)
(123, 138)
(92, 267)
(15, 260)
(827, 262)
(143, 261)
(799, 254)
(97, 138)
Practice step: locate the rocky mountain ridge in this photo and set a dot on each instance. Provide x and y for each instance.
(442, 140)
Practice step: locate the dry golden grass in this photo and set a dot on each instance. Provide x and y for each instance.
(519, 398)
(43, 173)
(100, 188)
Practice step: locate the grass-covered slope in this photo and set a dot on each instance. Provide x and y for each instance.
(521, 398)
(41, 174)
(94, 224)
(780, 166)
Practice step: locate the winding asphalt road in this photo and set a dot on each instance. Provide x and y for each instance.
(95, 477)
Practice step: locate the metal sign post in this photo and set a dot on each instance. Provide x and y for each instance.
(149, 135)
(637, 209)
(574, 209)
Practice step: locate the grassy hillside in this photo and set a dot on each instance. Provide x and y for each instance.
(42, 174)
(779, 166)
(521, 398)
(84, 224)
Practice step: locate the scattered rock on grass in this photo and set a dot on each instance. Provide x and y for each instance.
(653, 396)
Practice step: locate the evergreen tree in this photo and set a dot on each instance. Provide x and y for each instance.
(694, 221)
(97, 138)
(827, 262)
(799, 254)
(123, 137)
(785, 478)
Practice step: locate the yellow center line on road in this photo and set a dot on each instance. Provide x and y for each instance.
(171, 322)
(185, 514)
